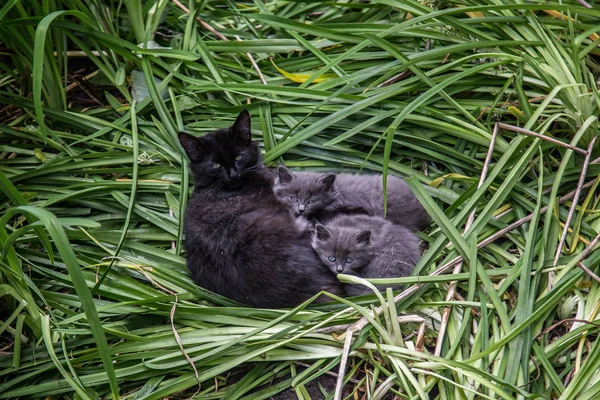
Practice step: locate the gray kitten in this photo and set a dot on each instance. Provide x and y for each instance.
(369, 247)
(319, 197)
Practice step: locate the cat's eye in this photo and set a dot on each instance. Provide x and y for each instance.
(311, 202)
(349, 260)
(294, 199)
(238, 157)
(331, 258)
(216, 165)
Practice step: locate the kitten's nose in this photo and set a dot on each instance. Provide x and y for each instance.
(301, 208)
(340, 268)
(233, 174)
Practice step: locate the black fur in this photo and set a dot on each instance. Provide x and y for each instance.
(240, 241)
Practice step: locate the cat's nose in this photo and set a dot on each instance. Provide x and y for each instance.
(301, 208)
(233, 174)
(340, 268)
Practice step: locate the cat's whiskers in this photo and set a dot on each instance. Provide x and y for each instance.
(253, 168)
(210, 190)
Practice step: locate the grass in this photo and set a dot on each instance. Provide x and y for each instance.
(95, 298)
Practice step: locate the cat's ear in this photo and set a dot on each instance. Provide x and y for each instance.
(192, 145)
(322, 232)
(327, 181)
(284, 175)
(364, 237)
(241, 128)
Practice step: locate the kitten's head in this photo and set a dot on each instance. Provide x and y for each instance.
(226, 156)
(343, 250)
(304, 194)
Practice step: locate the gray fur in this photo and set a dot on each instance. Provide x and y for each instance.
(306, 193)
(366, 246)
(314, 195)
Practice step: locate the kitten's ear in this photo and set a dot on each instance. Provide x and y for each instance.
(192, 145)
(322, 232)
(327, 181)
(284, 175)
(364, 237)
(241, 128)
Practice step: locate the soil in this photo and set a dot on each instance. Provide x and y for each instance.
(328, 383)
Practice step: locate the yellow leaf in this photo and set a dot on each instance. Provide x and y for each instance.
(472, 14)
(438, 181)
(502, 209)
(517, 113)
(39, 154)
(475, 14)
(560, 15)
(557, 14)
(302, 77)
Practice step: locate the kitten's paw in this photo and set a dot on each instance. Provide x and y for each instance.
(302, 224)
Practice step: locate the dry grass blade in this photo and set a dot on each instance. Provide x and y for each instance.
(543, 137)
(584, 169)
(458, 267)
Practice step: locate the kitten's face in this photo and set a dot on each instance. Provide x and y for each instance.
(225, 156)
(343, 250)
(304, 195)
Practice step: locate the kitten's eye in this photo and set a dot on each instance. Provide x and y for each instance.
(331, 258)
(216, 165)
(294, 199)
(311, 202)
(349, 260)
(238, 157)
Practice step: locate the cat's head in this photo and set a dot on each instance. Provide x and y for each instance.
(343, 250)
(305, 194)
(226, 156)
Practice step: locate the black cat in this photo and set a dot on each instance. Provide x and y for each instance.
(240, 241)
